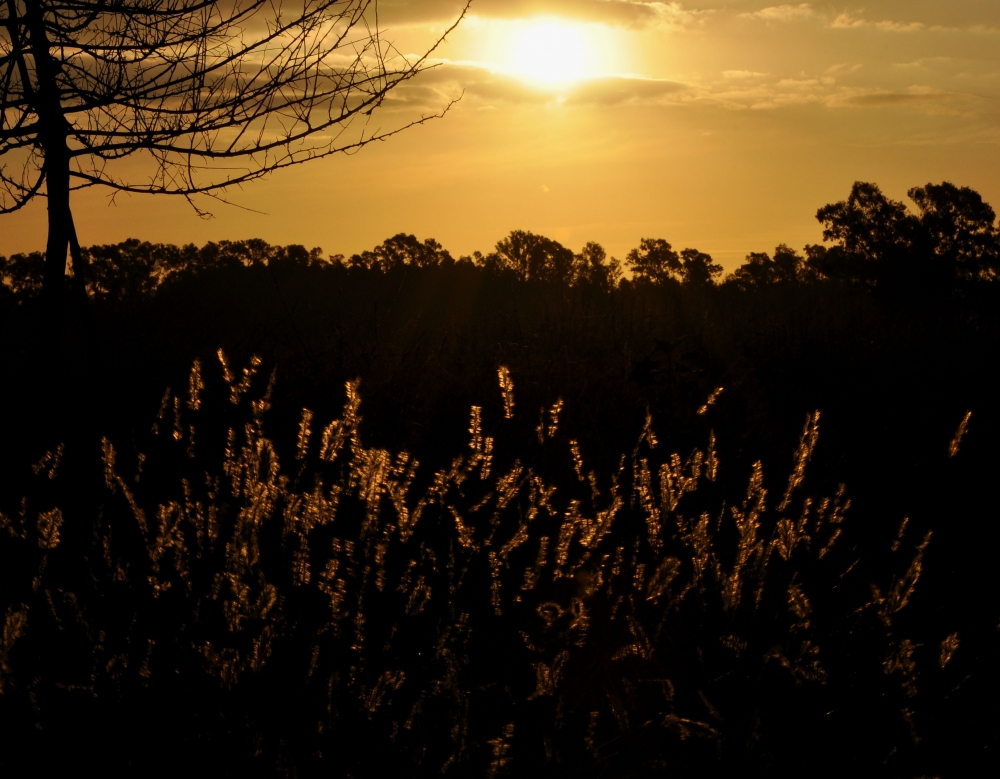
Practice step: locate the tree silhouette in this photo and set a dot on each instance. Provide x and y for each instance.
(757, 271)
(403, 249)
(21, 275)
(876, 239)
(697, 268)
(595, 269)
(959, 228)
(760, 269)
(133, 269)
(868, 224)
(530, 256)
(181, 97)
(654, 260)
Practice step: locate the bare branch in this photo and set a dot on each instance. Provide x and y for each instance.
(206, 95)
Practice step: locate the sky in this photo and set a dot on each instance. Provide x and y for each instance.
(720, 125)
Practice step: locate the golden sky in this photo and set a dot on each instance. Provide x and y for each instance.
(716, 125)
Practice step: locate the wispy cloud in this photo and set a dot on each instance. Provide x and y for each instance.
(782, 13)
(843, 67)
(618, 90)
(929, 98)
(482, 87)
(743, 74)
(486, 89)
(847, 22)
(625, 13)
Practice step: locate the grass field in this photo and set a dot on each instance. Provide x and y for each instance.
(437, 521)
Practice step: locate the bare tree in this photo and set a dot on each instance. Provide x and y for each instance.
(182, 97)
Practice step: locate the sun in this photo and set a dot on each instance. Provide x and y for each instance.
(551, 53)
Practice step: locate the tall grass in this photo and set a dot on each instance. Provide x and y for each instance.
(327, 607)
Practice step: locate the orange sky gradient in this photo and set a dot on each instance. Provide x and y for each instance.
(716, 125)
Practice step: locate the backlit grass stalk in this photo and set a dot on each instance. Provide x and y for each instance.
(609, 607)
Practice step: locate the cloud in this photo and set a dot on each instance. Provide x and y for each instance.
(618, 90)
(782, 13)
(887, 98)
(790, 12)
(475, 84)
(481, 88)
(736, 91)
(485, 89)
(742, 74)
(926, 62)
(848, 22)
(843, 67)
(625, 13)
(928, 98)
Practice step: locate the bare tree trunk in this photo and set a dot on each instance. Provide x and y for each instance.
(62, 233)
(53, 134)
(79, 263)
(60, 223)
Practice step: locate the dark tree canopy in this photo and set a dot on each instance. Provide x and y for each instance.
(698, 269)
(761, 269)
(403, 249)
(959, 228)
(654, 260)
(530, 256)
(595, 269)
(876, 239)
(181, 97)
(952, 240)
(134, 269)
(868, 223)
(870, 232)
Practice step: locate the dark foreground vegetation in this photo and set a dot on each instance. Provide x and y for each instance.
(566, 524)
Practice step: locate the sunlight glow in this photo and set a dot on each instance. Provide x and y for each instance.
(552, 53)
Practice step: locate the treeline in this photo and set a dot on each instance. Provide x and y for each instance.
(952, 238)
(894, 302)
